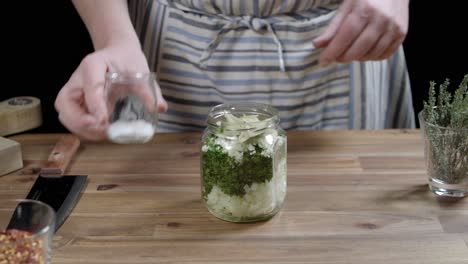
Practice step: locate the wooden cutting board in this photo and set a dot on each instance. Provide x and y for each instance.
(357, 196)
(10, 156)
(17, 114)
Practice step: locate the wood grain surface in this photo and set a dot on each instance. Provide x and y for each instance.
(352, 197)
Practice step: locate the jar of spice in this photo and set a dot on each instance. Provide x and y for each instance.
(131, 100)
(243, 162)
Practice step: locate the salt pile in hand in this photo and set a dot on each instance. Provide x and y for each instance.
(130, 132)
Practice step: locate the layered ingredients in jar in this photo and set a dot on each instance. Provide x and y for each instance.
(244, 168)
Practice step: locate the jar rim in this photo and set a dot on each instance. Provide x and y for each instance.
(44, 228)
(269, 111)
(129, 76)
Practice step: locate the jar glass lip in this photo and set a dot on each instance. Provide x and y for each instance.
(268, 112)
(129, 77)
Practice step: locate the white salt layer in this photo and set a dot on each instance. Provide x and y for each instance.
(130, 132)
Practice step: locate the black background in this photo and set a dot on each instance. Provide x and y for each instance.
(44, 41)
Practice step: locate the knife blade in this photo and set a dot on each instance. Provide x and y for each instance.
(52, 187)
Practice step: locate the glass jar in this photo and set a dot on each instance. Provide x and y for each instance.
(243, 162)
(446, 156)
(26, 231)
(131, 102)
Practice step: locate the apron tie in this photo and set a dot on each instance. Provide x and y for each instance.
(256, 24)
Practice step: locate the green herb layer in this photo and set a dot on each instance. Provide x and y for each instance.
(218, 168)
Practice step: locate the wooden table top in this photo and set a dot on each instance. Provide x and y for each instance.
(352, 197)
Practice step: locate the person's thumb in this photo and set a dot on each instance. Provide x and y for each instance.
(161, 104)
(149, 92)
(93, 78)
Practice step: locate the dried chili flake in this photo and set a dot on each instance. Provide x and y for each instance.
(17, 246)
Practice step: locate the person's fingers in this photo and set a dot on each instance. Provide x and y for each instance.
(330, 31)
(93, 79)
(351, 28)
(363, 44)
(398, 36)
(382, 44)
(77, 128)
(145, 91)
(387, 44)
(390, 50)
(74, 116)
(366, 41)
(150, 95)
(162, 104)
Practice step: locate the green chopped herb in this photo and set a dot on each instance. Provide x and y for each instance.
(218, 168)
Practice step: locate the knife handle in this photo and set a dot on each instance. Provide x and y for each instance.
(61, 156)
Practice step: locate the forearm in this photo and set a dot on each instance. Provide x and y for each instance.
(107, 21)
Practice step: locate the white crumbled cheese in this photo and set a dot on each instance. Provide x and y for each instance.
(280, 180)
(242, 128)
(258, 200)
(268, 141)
(234, 149)
(251, 149)
(280, 169)
(130, 132)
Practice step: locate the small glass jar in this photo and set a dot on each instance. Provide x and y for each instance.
(131, 102)
(446, 156)
(243, 162)
(27, 228)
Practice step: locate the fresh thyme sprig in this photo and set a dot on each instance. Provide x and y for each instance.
(445, 123)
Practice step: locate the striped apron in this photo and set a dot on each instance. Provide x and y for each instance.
(207, 52)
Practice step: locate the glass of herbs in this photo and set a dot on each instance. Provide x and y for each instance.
(26, 231)
(243, 162)
(444, 126)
